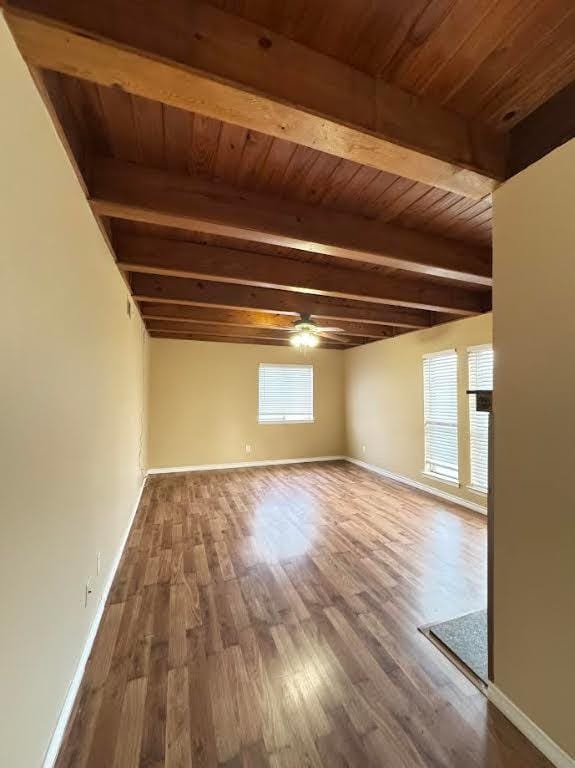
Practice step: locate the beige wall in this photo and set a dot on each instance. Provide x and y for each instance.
(384, 400)
(70, 417)
(534, 310)
(204, 404)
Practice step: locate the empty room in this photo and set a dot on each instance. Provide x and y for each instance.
(287, 434)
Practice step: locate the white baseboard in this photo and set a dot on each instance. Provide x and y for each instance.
(239, 465)
(536, 736)
(58, 735)
(420, 486)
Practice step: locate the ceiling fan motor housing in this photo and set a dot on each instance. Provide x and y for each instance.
(305, 323)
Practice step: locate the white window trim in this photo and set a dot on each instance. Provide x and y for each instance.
(440, 478)
(476, 489)
(440, 352)
(285, 421)
(425, 471)
(480, 491)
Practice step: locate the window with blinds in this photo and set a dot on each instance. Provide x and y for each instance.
(440, 413)
(285, 393)
(480, 368)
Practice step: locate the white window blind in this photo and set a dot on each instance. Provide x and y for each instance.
(440, 411)
(285, 393)
(480, 365)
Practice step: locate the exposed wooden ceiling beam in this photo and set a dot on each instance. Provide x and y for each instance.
(204, 60)
(189, 291)
(189, 316)
(551, 125)
(190, 260)
(173, 290)
(234, 339)
(234, 331)
(214, 329)
(128, 191)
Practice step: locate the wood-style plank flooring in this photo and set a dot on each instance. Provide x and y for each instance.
(268, 617)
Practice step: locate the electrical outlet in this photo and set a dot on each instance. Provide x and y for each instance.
(98, 563)
(87, 592)
(248, 448)
(363, 449)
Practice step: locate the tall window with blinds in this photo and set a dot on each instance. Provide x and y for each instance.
(285, 393)
(440, 414)
(480, 367)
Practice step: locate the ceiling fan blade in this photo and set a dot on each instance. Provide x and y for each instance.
(314, 328)
(333, 337)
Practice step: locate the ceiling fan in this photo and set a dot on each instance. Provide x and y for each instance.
(306, 332)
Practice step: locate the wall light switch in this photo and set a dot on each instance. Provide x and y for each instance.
(98, 563)
(248, 448)
(87, 593)
(363, 449)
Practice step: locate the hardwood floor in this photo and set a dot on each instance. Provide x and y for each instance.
(268, 617)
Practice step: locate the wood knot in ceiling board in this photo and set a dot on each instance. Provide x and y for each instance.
(509, 115)
(198, 36)
(265, 43)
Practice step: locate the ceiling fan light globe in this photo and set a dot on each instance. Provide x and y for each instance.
(295, 340)
(304, 339)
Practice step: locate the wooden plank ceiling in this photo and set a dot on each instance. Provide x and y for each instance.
(251, 161)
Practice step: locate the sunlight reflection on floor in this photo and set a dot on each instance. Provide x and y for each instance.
(283, 530)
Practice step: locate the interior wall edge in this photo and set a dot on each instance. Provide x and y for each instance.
(534, 423)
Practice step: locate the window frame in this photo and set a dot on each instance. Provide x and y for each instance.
(483, 491)
(283, 419)
(428, 470)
